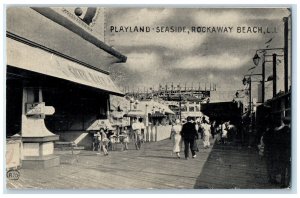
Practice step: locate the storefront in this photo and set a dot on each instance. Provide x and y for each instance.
(57, 85)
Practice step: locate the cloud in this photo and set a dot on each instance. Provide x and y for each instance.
(211, 18)
(147, 67)
(231, 17)
(142, 62)
(138, 16)
(202, 57)
(223, 61)
(174, 41)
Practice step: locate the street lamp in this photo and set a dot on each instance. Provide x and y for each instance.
(247, 80)
(244, 80)
(285, 55)
(256, 60)
(237, 93)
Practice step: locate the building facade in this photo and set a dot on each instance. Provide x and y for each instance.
(56, 79)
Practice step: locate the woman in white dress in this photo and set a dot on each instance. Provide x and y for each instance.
(206, 132)
(104, 141)
(176, 137)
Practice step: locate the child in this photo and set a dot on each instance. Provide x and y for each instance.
(96, 142)
(104, 141)
(124, 139)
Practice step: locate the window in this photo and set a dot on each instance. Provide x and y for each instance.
(192, 109)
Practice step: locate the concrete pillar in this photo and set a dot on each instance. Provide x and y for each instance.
(38, 141)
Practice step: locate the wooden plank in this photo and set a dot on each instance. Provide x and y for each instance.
(153, 167)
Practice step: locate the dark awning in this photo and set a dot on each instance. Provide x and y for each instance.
(157, 115)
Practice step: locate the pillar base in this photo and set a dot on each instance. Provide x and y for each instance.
(40, 162)
(38, 152)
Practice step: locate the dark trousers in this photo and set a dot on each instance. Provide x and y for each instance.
(189, 143)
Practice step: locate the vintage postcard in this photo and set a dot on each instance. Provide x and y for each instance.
(145, 98)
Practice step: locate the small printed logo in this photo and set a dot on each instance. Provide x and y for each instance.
(13, 174)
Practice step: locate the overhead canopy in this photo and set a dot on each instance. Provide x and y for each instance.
(118, 114)
(136, 113)
(37, 60)
(157, 115)
(101, 123)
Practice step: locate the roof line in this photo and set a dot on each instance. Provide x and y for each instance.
(34, 44)
(63, 21)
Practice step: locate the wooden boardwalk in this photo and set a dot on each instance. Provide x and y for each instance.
(152, 167)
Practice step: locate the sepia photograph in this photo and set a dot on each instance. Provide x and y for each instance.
(137, 98)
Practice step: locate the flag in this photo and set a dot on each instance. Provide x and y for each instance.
(269, 41)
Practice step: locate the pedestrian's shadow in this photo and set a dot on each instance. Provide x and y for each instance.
(230, 167)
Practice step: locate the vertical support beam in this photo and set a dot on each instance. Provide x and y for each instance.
(108, 107)
(180, 107)
(250, 100)
(40, 95)
(263, 79)
(274, 76)
(286, 33)
(146, 133)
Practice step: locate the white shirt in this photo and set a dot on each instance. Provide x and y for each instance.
(138, 126)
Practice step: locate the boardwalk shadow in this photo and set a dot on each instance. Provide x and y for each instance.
(233, 167)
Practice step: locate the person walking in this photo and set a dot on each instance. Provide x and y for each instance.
(206, 132)
(104, 141)
(137, 130)
(142, 126)
(224, 134)
(176, 137)
(213, 129)
(282, 136)
(189, 134)
(124, 139)
(96, 141)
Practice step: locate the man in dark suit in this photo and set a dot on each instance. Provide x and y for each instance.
(189, 134)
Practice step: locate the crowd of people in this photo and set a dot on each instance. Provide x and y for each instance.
(192, 130)
(105, 139)
(185, 132)
(275, 146)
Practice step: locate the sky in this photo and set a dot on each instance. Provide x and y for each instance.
(191, 57)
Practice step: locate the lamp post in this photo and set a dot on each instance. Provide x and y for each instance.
(274, 75)
(180, 107)
(256, 60)
(286, 32)
(249, 81)
(147, 122)
(131, 100)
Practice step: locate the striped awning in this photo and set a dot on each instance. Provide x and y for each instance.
(33, 59)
